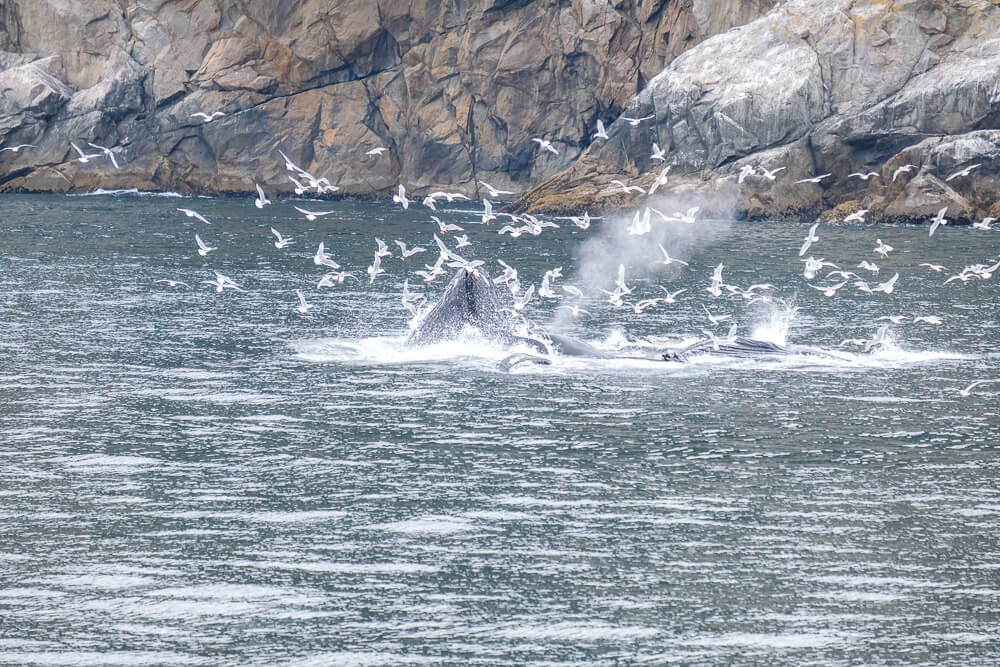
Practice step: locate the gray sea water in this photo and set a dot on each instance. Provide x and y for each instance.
(189, 477)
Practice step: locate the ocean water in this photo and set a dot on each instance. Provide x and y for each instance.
(189, 477)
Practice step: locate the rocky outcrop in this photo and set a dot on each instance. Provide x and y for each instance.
(839, 87)
(455, 89)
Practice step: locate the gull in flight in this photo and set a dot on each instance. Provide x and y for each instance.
(634, 122)
(583, 222)
(400, 197)
(194, 214)
(887, 286)
(938, 219)
(303, 306)
(671, 298)
(375, 269)
(289, 165)
(429, 202)
(814, 179)
(545, 145)
(261, 199)
(640, 223)
(747, 170)
(601, 133)
(450, 196)
(575, 310)
(172, 283)
(383, 249)
(221, 282)
(521, 301)
(770, 174)
(377, 151)
(444, 227)
(487, 212)
(110, 154)
(658, 153)
(203, 249)
(857, 216)
(985, 224)
(905, 169)
(869, 266)
(312, 215)
(937, 268)
(863, 177)
(494, 192)
(830, 290)
(814, 266)
(882, 249)
(715, 319)
(208, 118)
(963, 172)
(667, 259)
(660, 180)
(404, 253)
(810, 239)
(14, 149)
(928, 319)
(322, 257)
(968, 390)
(281, 241)
(574, 290)
(84, 157)
(299, 188)
(628, 188)
(463, 241)
(330, 279)
(895, 319)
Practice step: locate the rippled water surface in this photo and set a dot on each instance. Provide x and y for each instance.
(189, 477)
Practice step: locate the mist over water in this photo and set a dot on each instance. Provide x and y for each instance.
(197, 478)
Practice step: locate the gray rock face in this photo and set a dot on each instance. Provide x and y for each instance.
(841, 86)
(455, 89)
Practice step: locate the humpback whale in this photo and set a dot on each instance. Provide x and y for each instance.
(471, 301)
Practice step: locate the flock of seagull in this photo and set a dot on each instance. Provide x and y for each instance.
(519, 225)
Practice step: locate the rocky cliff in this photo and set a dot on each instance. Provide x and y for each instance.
(455, 89)
(837, 87)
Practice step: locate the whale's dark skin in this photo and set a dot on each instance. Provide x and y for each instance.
(470, 300)
(744, 348)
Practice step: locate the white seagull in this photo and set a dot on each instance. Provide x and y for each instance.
(203, 248)
(814, 179)
(963, 172)
(281, 241)
(863, 176)
(810, 239)
(84, 157)
(667, 259)
(857, 216)
(194, 214)
(377, 151)
(601, 133)
(303, 306)
(261, 199)
(545, 145)
(494, 192)
(905, 169)
(312, 215)
(14, 149)
(404, 253)
(634, 122)
(938, 219)
(400, 197)
(208, 118)
(658, 153)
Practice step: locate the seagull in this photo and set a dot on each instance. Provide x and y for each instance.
(928, 319)
(667, 259)
(312, 215)
(282, 241)
(203, 249)
(377, 151)
(583, 222)
(658, 153)
(575, 310)
(334, 278)
(14, 149)
(463, 241)
(863, 177)
(963, 172)
(634, 122)
(628, 188)
(887, 286)
(289, 165)
(84, 157)
(221, 282)
(383, 249)
(429, 202)
(303, 306)
(715, 319)
(601, 133)
(869, 266)
(375, 269)
(322, 258)
(545, 145)
(107, 152)
(487, 212)
(882, 249)
(937, 268)
(521, 301)
(660, 180)
(968, 390)
(814, 179)
(194, 214)
(939, 219)
(810, 239)
(494, 192)
(404, 253)
(895, 319)
(857, 216)
(400, 197)
(644, 304)
(985, 224)
(172, 283)
(450, 196)
(671, 298)
(261, 199)
(830, 290)
(208, 118)
(814, 266)
(905, 169)
(299, 188)
(770, 174)
(574, 290)
(747, 170)
(444, 227)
